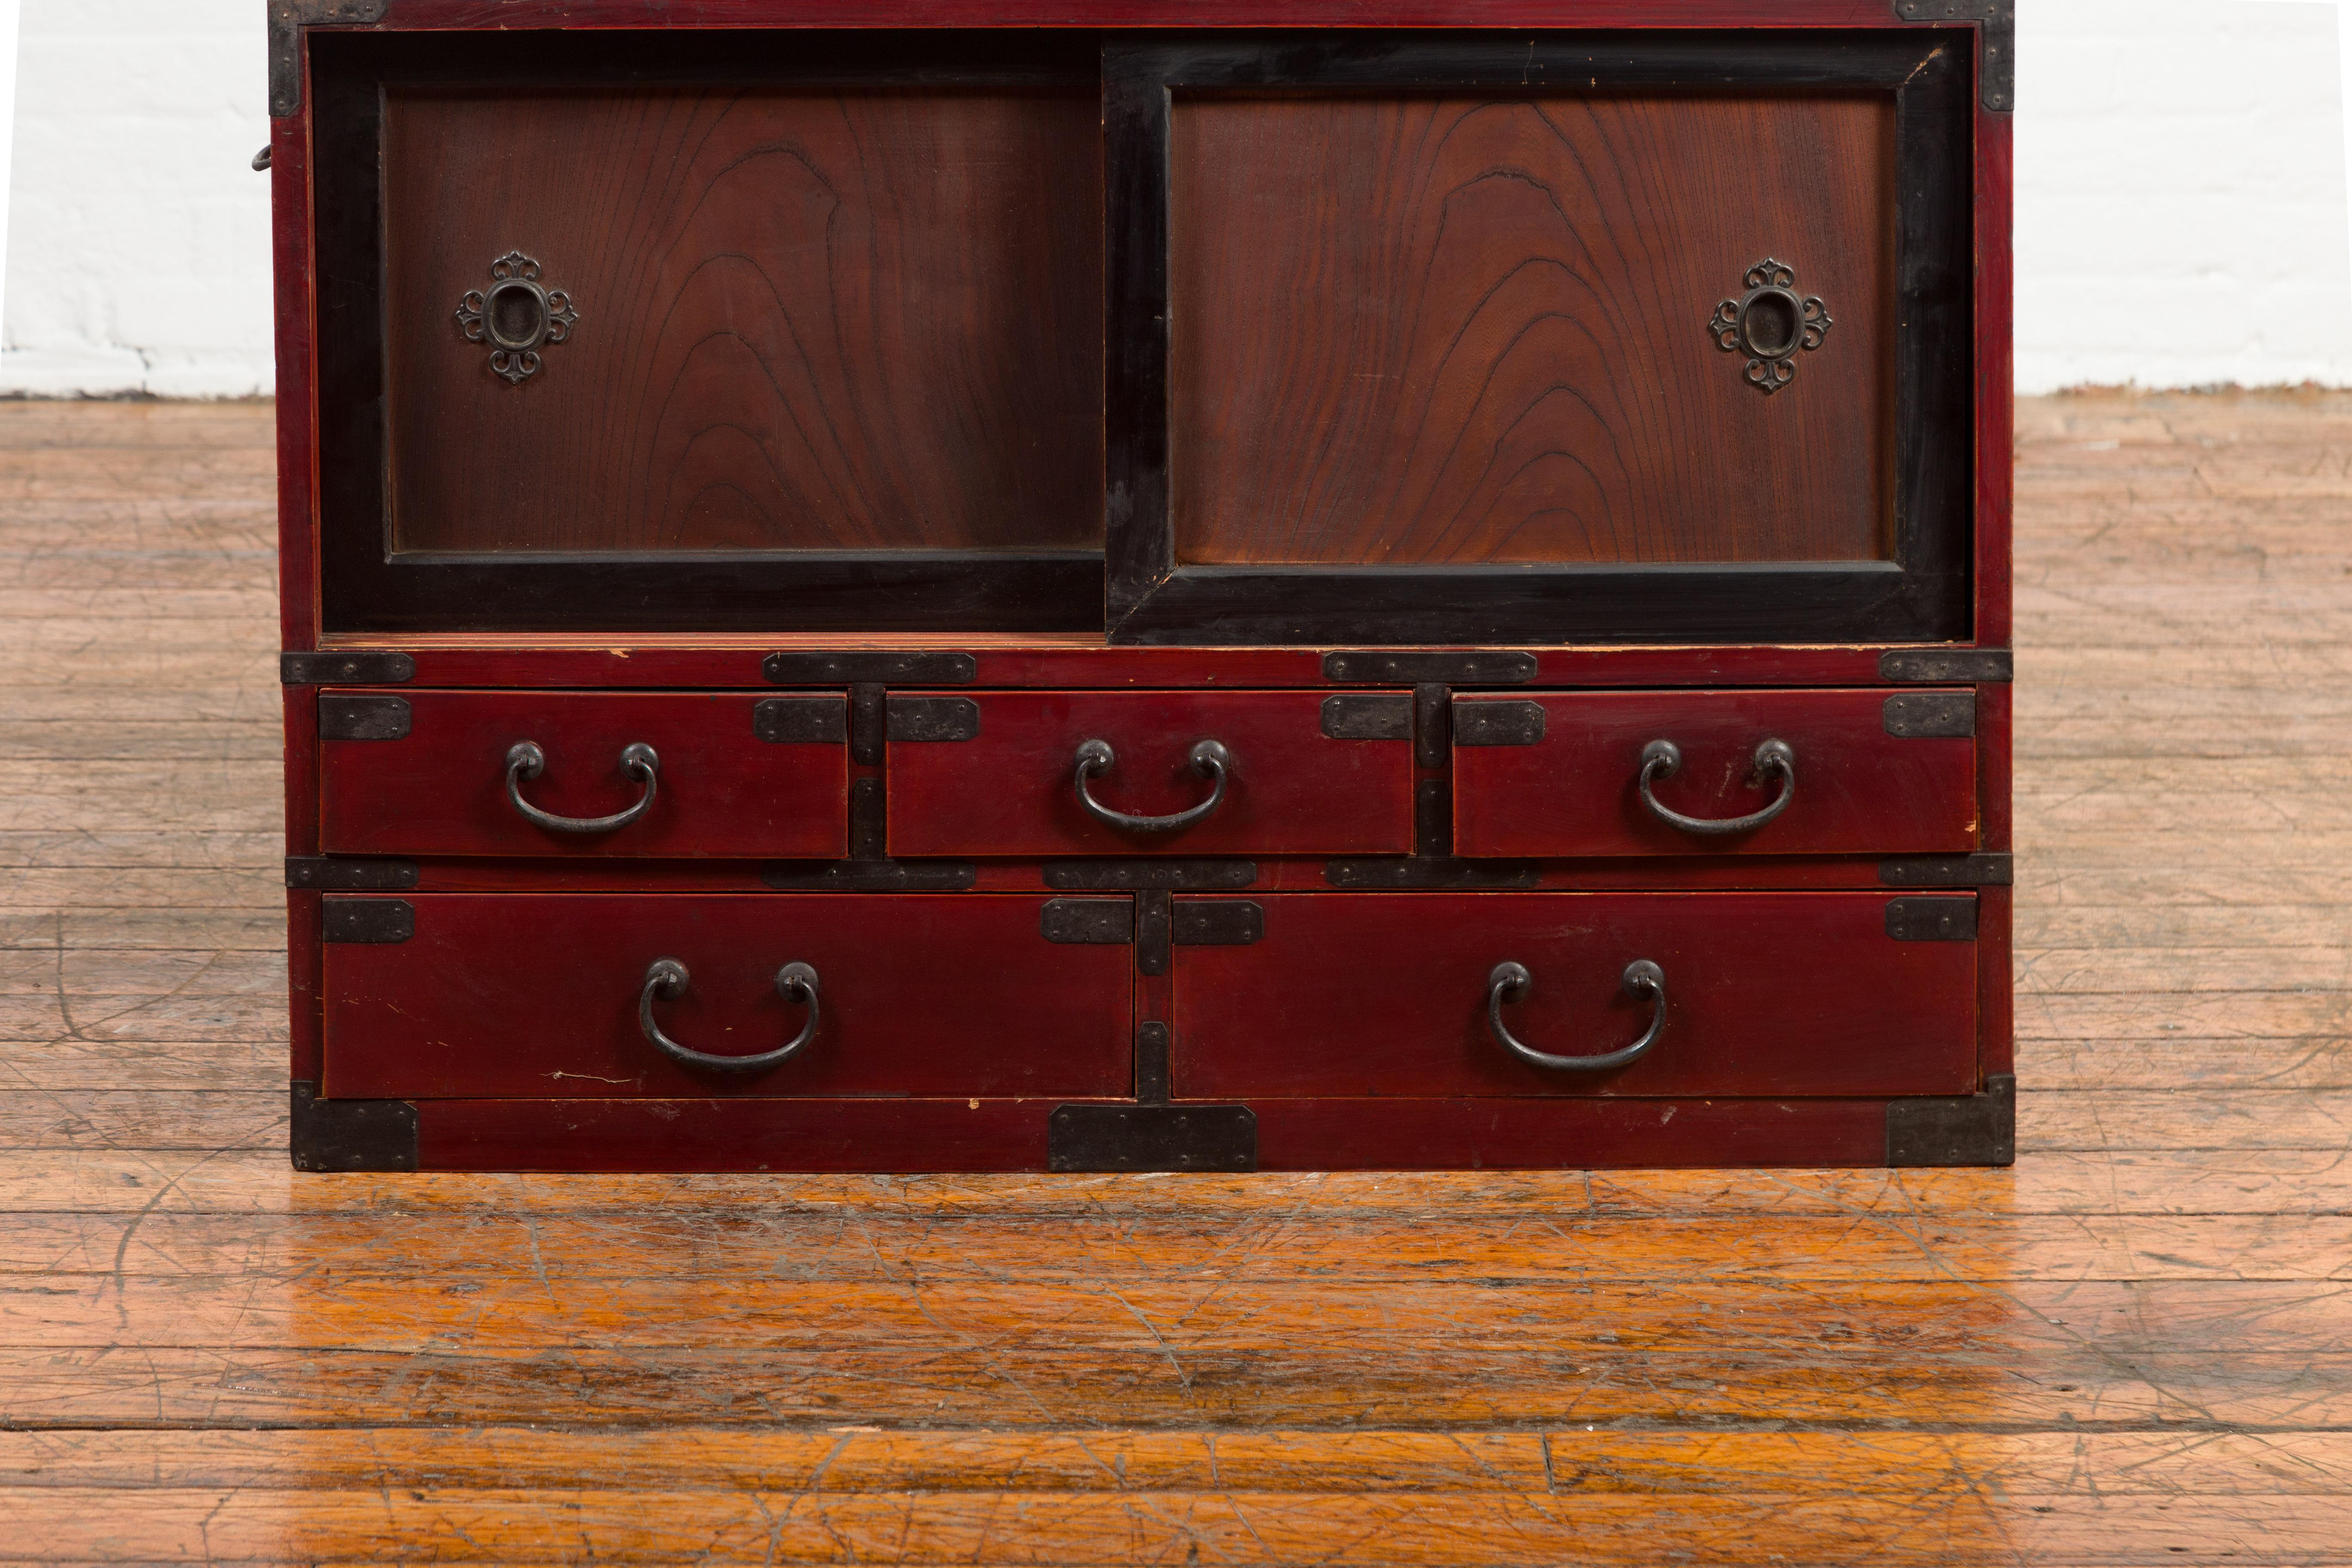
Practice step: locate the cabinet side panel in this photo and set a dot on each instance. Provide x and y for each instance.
(304, 988)
(290, 196)
(1996, 973)
(1996, 411)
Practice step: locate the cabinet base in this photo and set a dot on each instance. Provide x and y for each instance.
(909, 1136)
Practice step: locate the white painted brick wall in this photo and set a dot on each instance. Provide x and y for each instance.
(139, 234)
(2180, 214)
(2181, 203)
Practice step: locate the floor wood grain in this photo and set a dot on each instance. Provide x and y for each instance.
(2134, 1348)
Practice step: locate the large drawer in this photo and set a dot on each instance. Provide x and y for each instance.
(1763, 993)
(447, 773)
(1169, 773)
(462, 995)
(1693, 773)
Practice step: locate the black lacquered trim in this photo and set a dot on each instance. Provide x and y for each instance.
(1921, 594)
(366, 587)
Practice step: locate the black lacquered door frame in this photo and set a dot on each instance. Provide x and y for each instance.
(366, 586)
(1921, 594)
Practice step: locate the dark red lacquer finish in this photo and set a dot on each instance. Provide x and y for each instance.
(1575, 790)
(1012, 789)
(538, 995)
(1356, 1027)
(1549, 1135)
(1767, 994)
(720, 789)
(967, 1134)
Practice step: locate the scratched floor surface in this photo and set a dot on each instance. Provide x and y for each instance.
(2136, 1348)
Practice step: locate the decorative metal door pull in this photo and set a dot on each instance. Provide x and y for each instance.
(1769, 323)
(516, 316)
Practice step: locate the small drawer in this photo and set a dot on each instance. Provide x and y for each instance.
(1713, 773)
(557, 994)
(1151, 772)
(569, 773)
(1339, 994)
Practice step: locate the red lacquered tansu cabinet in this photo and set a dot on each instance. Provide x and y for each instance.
(1233, 584)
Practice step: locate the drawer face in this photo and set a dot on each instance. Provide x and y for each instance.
(1874, 772)
(1766, 993)
(539, 994)
(437, 782)
(1008, 786)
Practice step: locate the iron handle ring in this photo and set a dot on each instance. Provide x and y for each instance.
(668, 979)
(1209, 759)
(525, 760)
(1661, 758)
(1511, 979)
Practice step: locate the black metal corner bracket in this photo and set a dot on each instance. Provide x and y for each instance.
(1137, 876)
(1218, 923)
(287, 20)
(870, 876)
(1979, 870)
(1092, 921)
(1959, 1130)
(350, 1134)
(1489, 721)
(1155, 921)
(347, 716)
(1378, 666)
(1943, 666)
(360, 876)
(1931, 715)
(846, 668)
(344, 669)
(802, 720)
(1432, 871)
(1950, 917)
(1152, 1137)
(1997, 68)
(908, 719)
(1367, 716)
(380, 920)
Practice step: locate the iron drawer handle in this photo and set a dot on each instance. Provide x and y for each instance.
(1641, 975)
(1210, 760)
(526, 761)
(668, 980)
(1661, 758)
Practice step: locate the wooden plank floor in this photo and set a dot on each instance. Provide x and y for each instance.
(2136, 1348)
